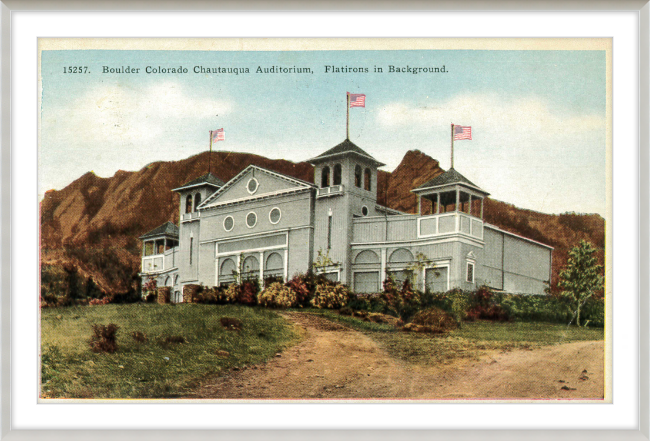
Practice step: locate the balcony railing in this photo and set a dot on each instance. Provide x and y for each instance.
(333, 190)
(190, 216)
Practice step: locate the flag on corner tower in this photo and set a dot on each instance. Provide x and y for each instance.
(462, 132)
(357, 100)
(218, 135)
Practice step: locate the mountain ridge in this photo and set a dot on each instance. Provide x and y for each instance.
(93, 224)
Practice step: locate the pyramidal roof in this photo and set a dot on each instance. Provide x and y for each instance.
(207, 178)
(166, 229)
(449, 177)
(346, 147)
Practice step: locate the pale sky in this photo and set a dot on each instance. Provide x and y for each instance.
(537, 117)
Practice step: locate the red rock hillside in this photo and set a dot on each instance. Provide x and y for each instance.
(94, 223)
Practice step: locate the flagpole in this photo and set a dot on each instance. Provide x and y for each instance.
(452, 145)
(347, 119)
(210, 155)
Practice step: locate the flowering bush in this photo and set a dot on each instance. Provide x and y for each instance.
(95, 302)
(404, 301)
(278, 295)
(150, 286)
(300, 285)
(231, 293)
(248, 292)
(331, 296)
(212, 296)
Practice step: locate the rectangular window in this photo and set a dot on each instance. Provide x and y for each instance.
(329, 232)
(191, 248)
(470, 272)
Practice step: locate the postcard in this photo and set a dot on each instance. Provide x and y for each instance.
(325, 219)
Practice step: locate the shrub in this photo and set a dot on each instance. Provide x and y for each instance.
(164, 295)
(138, 336)
(331, 296)
(301, 285)
(212, 296)
(459, 305)
(231, 323)
(190, 292)
(175, 339)
(151, 297)
(268, 281)
(485, 308)
(278, 295)
(231, 293)
(248, 292)
(95, 302)
(403, 302)
(435, 320)
(104, 338)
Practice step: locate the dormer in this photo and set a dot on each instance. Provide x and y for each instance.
(345, 167)
(194, 192)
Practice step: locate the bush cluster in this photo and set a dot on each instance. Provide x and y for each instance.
(331, 296)
(278, 295)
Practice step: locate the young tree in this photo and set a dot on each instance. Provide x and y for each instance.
(581, 278)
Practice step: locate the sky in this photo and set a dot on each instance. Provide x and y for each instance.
(538, 117)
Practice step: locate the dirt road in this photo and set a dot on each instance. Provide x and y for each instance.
(335, 362)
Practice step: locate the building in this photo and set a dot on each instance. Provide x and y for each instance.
(262, 223)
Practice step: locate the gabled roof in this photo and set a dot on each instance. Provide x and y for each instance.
(345, 148)
(166, 229)
(206, 179)
(449, 177)
(298, 182)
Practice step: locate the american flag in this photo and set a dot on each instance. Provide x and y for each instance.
(462, 132)
(218, 135)
(357, 100)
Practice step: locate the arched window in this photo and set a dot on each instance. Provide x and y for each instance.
(197, 200)
(367, 180)
(357, 176)
(188, 204)
(337, 174)
(325, 177)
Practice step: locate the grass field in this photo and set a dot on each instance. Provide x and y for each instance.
(473, 340)
(154, 368)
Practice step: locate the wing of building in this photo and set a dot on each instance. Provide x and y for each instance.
(265, 224)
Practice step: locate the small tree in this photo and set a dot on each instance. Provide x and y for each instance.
(581, 278)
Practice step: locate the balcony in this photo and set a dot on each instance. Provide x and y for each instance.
(190, 216)
(326, 192)
(406, 228)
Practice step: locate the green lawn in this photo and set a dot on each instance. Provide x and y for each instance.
(472, 341)
(154, 368)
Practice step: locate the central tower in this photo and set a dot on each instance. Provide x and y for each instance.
(346, 177)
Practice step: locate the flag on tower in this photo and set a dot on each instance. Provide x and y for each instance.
(462, 132)
(218, 135)
(357, 99)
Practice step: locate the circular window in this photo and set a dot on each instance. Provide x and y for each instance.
(252, 185)
(228, 223)
(251, 219)
(275, 215)
(364, 210)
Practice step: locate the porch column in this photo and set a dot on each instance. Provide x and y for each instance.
(286, 265)
(482, 208)
(470, 204)
(419, 205)
(457, 198)
(438, 204)
(383, 265)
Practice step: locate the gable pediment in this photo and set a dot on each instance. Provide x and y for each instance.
(254, 183)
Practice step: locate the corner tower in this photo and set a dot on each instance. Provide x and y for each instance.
(192, 194)
(346, 181)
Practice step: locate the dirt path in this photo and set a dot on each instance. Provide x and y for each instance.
(335, 362)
